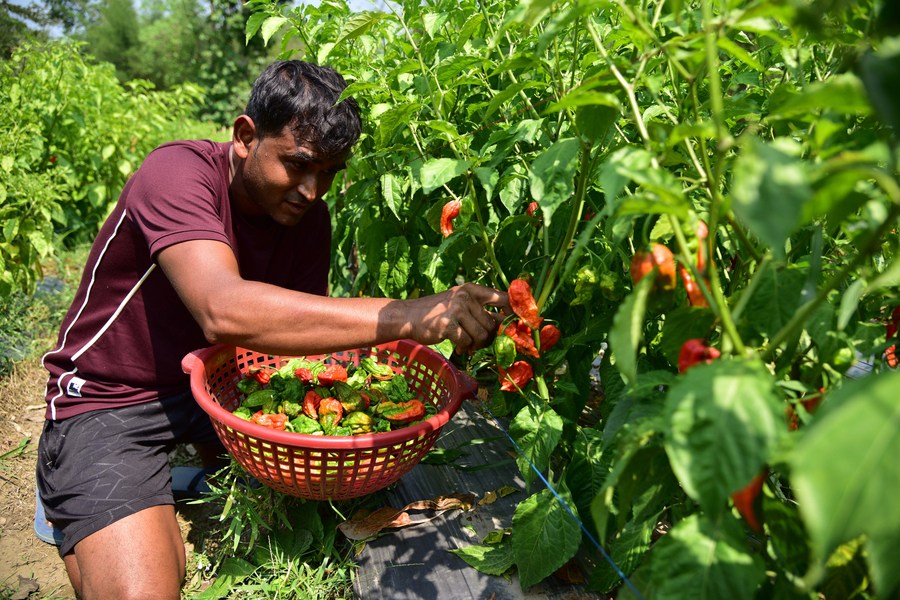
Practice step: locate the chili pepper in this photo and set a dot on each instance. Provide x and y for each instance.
(532, 208)
(745, 500)
(702, 234)
(660, 258)
(304, 375)
(248, 385)
(516, 377)
(332, 373)
(549, 336)
(261, 375)
(694, 293)
(695, 351)
(275, 421)
(379, 371)
(890, 355)
(448, 213)
(401, 412)
(330, 413)
(350, 399)
(520, 333)
(259, 398)
(359, 422)
(522, 303)
(809, 404)
(311, 404)
(504, 350)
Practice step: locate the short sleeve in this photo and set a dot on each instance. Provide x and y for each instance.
(177, 195)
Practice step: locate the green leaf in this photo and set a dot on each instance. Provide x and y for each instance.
(880, 72)
(506, 94)
(552, 175)
(357, 25)
(739, 53)
(232, 572)
(537, 434)
(770, 186)
(724, 421)
(492, 559)
(682, 324)
(700, 559)
(627, 333)
(397, 116)
(253, 24)
(270, 27)
(842, 93)
(394, 270)
(392, 192)
(586, 471)
(545, 536)
(846, 475)
(438, 171)
(776, 299)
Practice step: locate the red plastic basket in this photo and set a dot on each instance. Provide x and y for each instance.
(327, 467)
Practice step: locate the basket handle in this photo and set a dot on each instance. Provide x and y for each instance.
(193, 360)
(468, 385)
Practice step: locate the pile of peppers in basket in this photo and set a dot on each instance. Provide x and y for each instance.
(318, 398)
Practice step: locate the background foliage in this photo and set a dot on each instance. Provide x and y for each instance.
(629, 123)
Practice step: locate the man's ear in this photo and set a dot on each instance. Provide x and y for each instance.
(243, 134)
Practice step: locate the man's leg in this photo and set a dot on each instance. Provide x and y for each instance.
(139, 557)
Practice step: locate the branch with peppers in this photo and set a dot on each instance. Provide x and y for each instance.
(317, 398)
(522, 339)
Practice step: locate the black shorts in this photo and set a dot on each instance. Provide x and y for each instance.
(101, 466)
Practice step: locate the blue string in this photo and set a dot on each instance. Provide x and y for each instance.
(568, 510)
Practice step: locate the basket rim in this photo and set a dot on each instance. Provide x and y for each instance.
(462, 387)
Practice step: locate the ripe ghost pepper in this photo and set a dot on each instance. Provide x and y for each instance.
(448, 213)
(304, 375)
(516, 377)
(311, 405)
(331, 374)
(659, 257)
(549, 336)
(520, 333)
(695, 351)
(275, 421)
(522, 303)
(694, 293)
(745, 498)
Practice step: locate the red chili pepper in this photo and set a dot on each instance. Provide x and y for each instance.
(275, 421)
(516, 377)
(522, 303)
(521, 335)
(549, 336)
(702, 234)
(810, 404)
(52, 159)
(659, 257)
(695, 351)
(401, 412)
(261, 375)
(890, 355)
(448, 213)
(311, 405)
(694, 293)
(332, 373)
(745, 500)
(304, 375)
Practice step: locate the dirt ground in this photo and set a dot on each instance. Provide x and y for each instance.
(29, 568)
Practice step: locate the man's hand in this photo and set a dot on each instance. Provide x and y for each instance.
(459, 315)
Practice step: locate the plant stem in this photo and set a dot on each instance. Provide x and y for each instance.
(547, 285)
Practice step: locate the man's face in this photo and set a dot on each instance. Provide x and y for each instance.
(282, 177)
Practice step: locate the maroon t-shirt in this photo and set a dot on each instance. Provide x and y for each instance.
(127, 330)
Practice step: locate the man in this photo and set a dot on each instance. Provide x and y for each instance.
(208, 243)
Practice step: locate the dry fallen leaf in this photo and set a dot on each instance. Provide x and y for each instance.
(364, 525)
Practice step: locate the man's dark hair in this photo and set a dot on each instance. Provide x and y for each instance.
(302, 96)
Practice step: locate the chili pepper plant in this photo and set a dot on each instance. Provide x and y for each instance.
(754, 146)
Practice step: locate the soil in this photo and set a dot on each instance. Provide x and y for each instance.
(29, 568)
